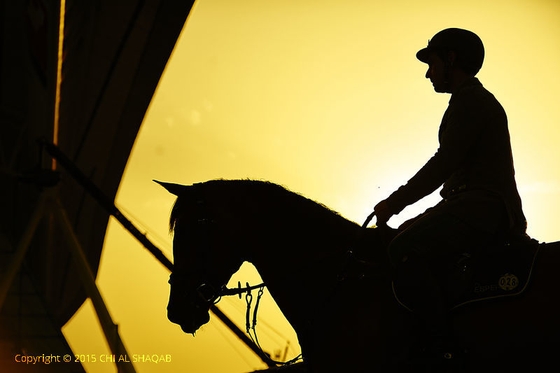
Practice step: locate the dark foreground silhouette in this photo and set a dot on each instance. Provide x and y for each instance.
(342, 306)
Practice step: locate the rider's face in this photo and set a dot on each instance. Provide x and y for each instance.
(436, 72)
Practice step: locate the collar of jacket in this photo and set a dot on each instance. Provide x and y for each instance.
(470, 82)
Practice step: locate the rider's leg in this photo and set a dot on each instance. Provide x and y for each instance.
(417, 254)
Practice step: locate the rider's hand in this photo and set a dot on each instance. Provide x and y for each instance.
(382, 212)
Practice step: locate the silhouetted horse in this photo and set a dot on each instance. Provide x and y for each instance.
(300, 249)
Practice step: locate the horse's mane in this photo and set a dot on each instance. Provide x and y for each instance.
(279, 196)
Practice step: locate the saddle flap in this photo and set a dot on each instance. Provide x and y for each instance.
(501, 271)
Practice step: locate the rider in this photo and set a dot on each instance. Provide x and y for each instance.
(475, 165)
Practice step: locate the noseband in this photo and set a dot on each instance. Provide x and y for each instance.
(207, 293)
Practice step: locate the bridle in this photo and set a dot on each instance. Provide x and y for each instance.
(207, 294)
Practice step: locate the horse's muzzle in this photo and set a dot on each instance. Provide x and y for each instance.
(189, 323)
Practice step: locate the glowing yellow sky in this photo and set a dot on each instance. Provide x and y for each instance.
(327, 98)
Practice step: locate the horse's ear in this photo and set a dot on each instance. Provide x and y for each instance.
(176, 189)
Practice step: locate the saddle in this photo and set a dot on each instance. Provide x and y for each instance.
(497, 272)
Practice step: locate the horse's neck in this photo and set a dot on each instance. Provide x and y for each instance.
(296, 245)
(301, 271)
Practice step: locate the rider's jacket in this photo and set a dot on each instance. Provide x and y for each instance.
(474, 162)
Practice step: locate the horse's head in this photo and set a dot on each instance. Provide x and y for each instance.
(204, 258)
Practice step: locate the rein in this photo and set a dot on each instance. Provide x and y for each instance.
(225, 291)
(368, 220)
(251, 323)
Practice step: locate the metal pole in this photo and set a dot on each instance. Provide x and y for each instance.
(88, 280)
(248, 342)
(104, 201)
(110, 207)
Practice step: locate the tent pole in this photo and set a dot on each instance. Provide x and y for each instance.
(110, 207)
(110, 329)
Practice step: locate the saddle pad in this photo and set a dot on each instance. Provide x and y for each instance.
(497, 273)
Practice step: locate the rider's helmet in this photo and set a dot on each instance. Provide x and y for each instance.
(466, 44)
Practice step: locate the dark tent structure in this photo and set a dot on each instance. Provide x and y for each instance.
(88, 105)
